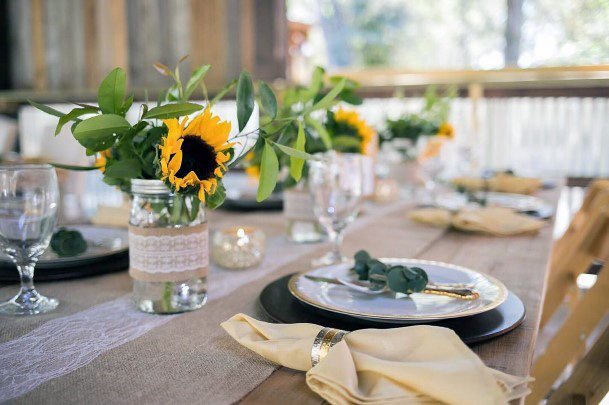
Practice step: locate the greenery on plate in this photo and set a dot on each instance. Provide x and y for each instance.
(68, 242)
(398, 278)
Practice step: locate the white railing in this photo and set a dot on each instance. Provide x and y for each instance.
(550, 136)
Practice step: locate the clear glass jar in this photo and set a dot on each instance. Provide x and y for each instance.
(168, 249)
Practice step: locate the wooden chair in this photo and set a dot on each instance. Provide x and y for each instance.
(569, 257)
(586, 313)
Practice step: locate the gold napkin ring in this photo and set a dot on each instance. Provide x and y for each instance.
(325, 339)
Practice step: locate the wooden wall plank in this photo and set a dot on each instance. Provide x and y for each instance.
(38, 51)
(209, 38)
(22, 71)
(90, 42)
(112, 34)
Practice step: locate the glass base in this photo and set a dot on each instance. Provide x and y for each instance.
(170, 297)
(329, 259)
(22, 305)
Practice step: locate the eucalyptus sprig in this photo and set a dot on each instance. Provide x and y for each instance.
(402, 279)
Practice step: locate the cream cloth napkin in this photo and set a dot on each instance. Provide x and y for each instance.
(496, 221)
(409, 365)
(502, 182)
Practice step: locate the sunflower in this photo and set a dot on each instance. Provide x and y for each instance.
(194, 154)
(102, 159)
(353, 120)
(446, 130)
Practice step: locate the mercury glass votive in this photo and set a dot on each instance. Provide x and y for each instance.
(238, 247)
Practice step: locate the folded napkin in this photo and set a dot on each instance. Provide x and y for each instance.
(409, 365)
(496, 221)
(502, 182)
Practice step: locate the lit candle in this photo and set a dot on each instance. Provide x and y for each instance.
(238, 247)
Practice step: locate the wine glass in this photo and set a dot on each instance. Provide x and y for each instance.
(28, 208)
(335, 183)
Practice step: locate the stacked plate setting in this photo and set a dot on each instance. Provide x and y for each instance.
(417, 308)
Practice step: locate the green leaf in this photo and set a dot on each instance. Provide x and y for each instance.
(268, 99)
(172, 110)
(216, 199)
(87, 105)
(321, 131)
(350, 84)
(72, 115)
(128, 169)
(195, 79)
(294, 152)
(46, 109)
(296, 164)
(223, 92)
(98, 133)
(327, 101)
(74, 168)
(127, 105)
(245, 99)
(269, 170)
(317, 81)
(347, 144)
(349, 96)
(112, 92)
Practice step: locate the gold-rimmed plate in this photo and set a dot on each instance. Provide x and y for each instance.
(415, 308)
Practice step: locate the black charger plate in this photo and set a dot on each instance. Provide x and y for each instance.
(281, 306)
(116, 262)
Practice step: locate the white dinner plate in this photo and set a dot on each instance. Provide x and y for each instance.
(415, 308)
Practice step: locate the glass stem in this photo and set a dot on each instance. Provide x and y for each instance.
(28, 294)
(336, 237)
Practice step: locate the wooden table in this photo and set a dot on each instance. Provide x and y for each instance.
(520, 262)
(97, 349)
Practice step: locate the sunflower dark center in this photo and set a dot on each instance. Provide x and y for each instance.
(197, 156)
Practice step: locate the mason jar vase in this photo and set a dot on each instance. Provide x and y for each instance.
(168, 249)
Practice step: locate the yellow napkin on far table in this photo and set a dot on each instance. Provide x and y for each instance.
(496, 221)
(112, 216)
(502, 182)
(409, 365)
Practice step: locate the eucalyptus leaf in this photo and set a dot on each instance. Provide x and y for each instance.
(111, 92)
(46, 109)
(269, 170)
(72, 115)
(268, 99)
(195, 79)
(245, 99)
(172, 110)
(296, 163)
(98, 133)
(127, 168)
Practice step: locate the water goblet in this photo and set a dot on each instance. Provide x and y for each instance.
(28, 210)
(335, 182)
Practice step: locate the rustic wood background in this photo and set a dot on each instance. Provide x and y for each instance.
(72, 44)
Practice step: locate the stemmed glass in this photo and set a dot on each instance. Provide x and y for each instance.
(335, 183)
(28, 208)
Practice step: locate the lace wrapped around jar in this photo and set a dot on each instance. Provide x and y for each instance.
(168, 249)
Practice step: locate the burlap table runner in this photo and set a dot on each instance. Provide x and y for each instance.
(188, 358)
